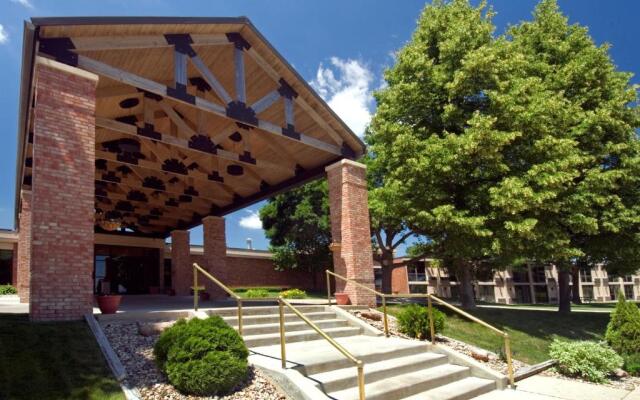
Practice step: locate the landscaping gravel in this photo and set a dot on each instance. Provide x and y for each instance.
(136, 353)
(494, 362)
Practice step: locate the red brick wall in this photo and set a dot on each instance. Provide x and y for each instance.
(181, 268)
(24, 247)
(14, 266)
(256, 272)
(62, 189)
(349, 212)
(399, 280)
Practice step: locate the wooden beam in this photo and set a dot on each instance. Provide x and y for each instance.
(140, 42)
(238, 62)
(208, 76)
(117, 74)
(265, 102)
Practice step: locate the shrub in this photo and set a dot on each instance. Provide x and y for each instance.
(294, 294)
(202, 357)
(256, 293)
(7, 289)
(414, 321)
(623, 330)
(632, 363)
(589, 360)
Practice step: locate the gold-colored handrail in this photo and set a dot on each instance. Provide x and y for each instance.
(283, 352)
(238, 299)
(430, 298)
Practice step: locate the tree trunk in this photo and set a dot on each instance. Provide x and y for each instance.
(564, 299)
(387, 271)
(467, 295)
(575, 291)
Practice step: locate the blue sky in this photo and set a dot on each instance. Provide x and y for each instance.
(341, 47)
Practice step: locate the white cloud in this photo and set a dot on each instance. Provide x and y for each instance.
(24, 3)
(346, 86)
(4, 36)
(251, 221)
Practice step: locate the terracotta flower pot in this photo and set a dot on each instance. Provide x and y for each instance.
(342, 299)
(108, 303)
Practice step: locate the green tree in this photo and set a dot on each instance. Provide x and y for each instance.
(298, 227)
(623, 330)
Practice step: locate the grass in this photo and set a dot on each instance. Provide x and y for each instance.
(609, 306)
(54, 360)
(531, 331)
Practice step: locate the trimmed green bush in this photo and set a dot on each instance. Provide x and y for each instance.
(623, 331)
(202, 356)
(257, 293)
(7, 289)
(294, 294)
(413, 321)
(591, 361)
(632, 364)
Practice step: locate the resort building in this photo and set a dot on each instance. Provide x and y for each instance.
(529, 285)
(133, 130)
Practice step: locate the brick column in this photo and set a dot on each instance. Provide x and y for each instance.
(181, 268)
(62, 218)
(215, 254)
(24, 247)
(350, 229)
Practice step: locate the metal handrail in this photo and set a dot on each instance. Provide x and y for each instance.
(283, 352)
(430, 298)
(238, 299)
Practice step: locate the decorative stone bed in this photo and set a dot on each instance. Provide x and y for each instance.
(136, 353)
(492, 360)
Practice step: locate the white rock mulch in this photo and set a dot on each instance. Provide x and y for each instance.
(136, 353)
(494, 361)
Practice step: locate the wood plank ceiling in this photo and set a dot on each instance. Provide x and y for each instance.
(193, 120)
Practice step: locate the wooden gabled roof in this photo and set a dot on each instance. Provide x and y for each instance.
(194, 117)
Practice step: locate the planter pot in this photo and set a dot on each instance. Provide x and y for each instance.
(204, 296)
(342, 299)
(108, 303)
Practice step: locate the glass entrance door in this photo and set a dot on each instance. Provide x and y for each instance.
(126, 270)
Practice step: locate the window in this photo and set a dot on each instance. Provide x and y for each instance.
(6, 266)
(628, 278)
(585, 276)
(587, 293)
(486, 292)
(520, 276)
(541, 294)
(418, 288)
(538, 274)
(416, 273)
(613, 291)
(628, 292)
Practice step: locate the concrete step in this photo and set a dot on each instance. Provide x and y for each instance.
(463, 389)
(275, 318)
(262, 310)
(405, 385)
(298, 336)
(339, 379)
(259, 329)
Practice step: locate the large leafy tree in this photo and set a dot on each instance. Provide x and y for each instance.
(439, 152)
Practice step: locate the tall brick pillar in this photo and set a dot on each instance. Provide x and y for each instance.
(62, 216)
(215, 254)
(349, 208)
(24, 246)
(181, 268)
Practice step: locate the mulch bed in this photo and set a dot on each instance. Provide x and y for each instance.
(136, 353)
(494, 362)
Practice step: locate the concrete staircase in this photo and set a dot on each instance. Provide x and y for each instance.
(394, 368)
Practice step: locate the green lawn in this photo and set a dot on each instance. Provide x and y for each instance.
(57, 360)
(609, 306)
(531, 331)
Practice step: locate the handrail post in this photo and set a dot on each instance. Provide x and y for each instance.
(360, 367)
(384, 310)
(328, 287)
(432, 326)
(239, 316)
(507, 350)
(283, 351)
(195, 289)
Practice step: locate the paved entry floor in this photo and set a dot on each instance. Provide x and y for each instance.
(549, 388)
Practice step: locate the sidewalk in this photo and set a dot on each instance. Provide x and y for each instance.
(550, 309)
(548, 388)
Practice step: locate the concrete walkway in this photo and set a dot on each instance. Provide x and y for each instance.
(551, 309)
(547, 388)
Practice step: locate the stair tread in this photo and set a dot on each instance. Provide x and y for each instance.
(264, 316)
(392, 363)
(301, 333)
(387, 385)
(462, 389)
(289, 323)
